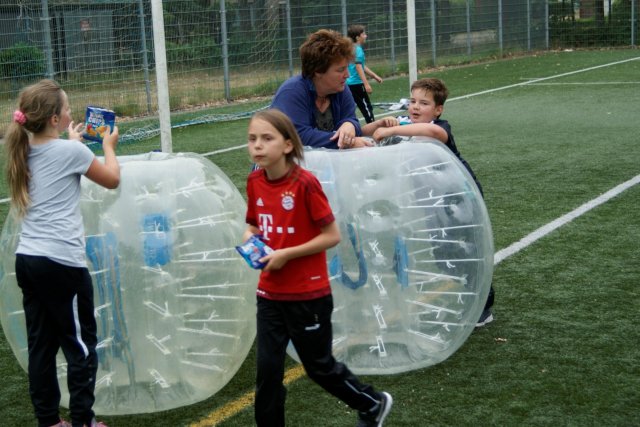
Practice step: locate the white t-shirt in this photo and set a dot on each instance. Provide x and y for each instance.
(53, 224)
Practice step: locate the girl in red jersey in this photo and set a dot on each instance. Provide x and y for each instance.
(289, 210)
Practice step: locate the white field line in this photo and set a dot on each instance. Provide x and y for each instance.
(586, 84)
(541, 79)
(564, 219)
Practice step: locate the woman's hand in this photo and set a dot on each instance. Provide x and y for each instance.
(359, 142)
(382, 133)
(345, 135)
(355, 142)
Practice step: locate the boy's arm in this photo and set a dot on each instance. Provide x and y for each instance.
(370, 128)
(329, 237)
(372, 74)
(415, 129)
(361, 72)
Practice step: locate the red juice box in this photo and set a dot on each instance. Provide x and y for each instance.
(96, 122)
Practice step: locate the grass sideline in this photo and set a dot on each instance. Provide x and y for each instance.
(563, 350)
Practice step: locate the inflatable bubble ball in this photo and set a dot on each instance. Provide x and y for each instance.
(174, 303)
(413, 270)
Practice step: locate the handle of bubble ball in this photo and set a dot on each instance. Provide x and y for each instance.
(336, 264)
(401, 261)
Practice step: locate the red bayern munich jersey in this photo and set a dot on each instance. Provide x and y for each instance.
(290, 211)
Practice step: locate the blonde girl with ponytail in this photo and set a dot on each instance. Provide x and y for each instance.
(44, 171)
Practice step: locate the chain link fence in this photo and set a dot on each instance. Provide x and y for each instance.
(220, 51)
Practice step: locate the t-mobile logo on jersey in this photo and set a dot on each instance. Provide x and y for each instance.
(265, 222)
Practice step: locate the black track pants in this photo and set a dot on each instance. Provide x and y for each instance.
(58, 305)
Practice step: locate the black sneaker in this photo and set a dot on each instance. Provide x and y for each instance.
(485, 318)
(375, 417)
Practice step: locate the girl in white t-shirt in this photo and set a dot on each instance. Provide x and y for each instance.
(43, 173)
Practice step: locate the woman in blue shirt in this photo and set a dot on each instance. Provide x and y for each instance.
(318, 101)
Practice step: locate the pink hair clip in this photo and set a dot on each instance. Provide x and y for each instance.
(19, 117)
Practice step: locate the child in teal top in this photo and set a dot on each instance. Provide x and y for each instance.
(358, 72)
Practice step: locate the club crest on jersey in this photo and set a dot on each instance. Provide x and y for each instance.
(287, 200)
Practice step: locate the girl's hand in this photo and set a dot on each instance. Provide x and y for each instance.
(75, 132)
(110, 138)
(275, 260)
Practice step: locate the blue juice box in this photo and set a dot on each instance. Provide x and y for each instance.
(96, 122)
(254, 249)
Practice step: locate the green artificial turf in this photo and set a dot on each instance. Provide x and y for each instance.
(563, 350)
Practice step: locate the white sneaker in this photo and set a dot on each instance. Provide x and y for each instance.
(485, 318)
(376, 416)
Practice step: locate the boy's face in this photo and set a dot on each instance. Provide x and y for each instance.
(422, 107)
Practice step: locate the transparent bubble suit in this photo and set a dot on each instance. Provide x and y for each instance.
(174, 303)
(414, 267)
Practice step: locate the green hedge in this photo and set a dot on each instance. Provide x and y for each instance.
(22, 62)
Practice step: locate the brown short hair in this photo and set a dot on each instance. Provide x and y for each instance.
(323, 48)
(436, 86)
(354, 31)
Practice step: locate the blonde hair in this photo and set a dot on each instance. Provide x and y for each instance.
(285, 127)
(38, 103)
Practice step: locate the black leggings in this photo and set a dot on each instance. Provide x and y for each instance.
(361, 97)
(58, 306)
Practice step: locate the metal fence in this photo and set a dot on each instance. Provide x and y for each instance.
(102, 51)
